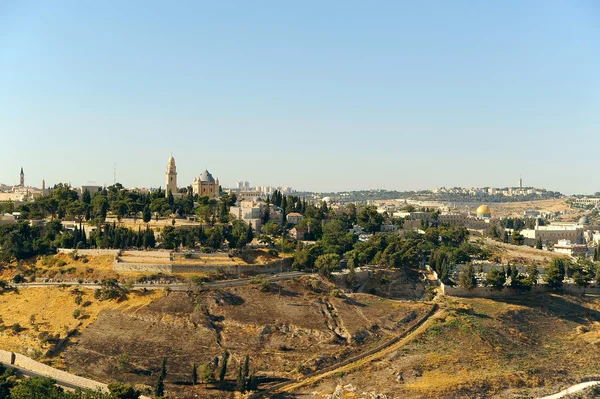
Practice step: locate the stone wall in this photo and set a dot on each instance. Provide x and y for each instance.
(37, 367)
(111, 252)
(147, 254)
(271, 267)
(488, 292)
(143, 267)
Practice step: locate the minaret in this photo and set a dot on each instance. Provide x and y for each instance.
(43, 187)
(22, 180)
(171, 177)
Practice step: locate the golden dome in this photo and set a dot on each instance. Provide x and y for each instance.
(484, 210)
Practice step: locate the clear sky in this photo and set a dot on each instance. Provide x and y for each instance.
(318, 95)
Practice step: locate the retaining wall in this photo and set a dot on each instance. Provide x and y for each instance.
(488, 292)
(271, 267)
(40, 368)
(112, 252)
(147, 254)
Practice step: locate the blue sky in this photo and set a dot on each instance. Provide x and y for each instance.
(317, 95)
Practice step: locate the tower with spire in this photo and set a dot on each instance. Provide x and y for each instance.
(22, 178)
(171, 177)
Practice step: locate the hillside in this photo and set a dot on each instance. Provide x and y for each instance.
(288, 329)
(484, 348)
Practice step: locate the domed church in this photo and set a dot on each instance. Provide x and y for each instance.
(206, 185)
(483, 212)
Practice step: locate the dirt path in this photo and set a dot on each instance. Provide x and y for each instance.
(572, 389)
(357, 361)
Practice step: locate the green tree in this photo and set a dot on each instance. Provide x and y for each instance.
(271, 229)
(36, 387)
(240, 385)
(163, 368)
(555, 273)
(327, 263)
(194, 374)
(466, 277)
(538, 243)
(517, 238)
(223, 369)
(207, 373)
(532, 274)
(369, 219)
(495, 278)
(159, 389)
(247, 364)
(122, 391)
(146, 214)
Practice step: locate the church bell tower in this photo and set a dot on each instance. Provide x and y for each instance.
(171, 177)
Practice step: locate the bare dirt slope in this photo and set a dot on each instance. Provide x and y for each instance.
(484, 348)
(288, 329)
(520, 254)
(513, 209)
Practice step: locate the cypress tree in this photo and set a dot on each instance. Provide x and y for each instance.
(513, 275)
(163, 368)
(194, 374)
(223, 369)
(239, 386)
(246, 367)
(159, 390)
(146, 214)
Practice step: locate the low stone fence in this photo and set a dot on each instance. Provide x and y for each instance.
(146, 254)
(93, 252)
(271, 267)
(143, 267)
(489, 292)
(199, 255)
(505, 292)
(16, 359)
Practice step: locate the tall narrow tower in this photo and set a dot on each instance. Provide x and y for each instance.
(171, 177)
(22, 178)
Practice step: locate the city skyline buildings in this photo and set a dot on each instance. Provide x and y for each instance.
(171, 176)
(320, 97)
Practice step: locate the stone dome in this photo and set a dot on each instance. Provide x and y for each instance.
(483, 210)
(206, 177)
(326, 199)
(584, 220)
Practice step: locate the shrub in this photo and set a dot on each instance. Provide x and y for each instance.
(76, 313)
(16, 328)
(17, 279)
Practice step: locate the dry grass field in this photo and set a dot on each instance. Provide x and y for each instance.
(42, 311)
(63, 266)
